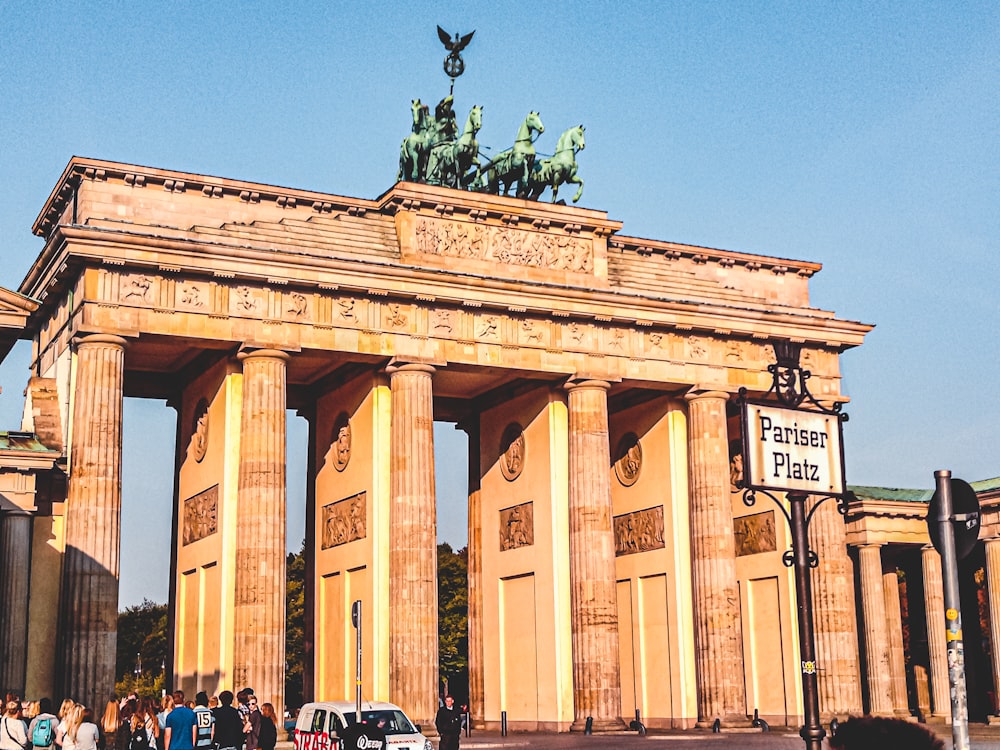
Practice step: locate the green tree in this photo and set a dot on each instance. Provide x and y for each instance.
(142, 642)
(453, 620)
(295, 620)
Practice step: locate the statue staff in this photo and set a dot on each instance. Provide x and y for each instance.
(454, 65)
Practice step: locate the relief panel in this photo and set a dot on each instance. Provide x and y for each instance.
(345, 520)
(755, 533)
(201, 515)
(639, 531)
(517, 526)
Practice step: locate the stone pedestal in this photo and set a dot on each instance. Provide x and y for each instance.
(993, 594)
(838, 668)
(413, 632)
(937, 645)
(594, 615)
(894, 632)
(259, 612)
(718, 629)
(89, 599)
(15, 574)
(877, 665)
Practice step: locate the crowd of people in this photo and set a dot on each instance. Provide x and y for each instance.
(134, 723)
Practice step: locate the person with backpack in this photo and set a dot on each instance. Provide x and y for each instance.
(13, 731)
(42, 729)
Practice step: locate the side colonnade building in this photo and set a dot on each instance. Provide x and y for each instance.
(613, 565)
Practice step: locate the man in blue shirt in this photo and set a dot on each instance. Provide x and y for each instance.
(181, 725)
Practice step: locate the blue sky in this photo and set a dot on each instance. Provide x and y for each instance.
(864, 136)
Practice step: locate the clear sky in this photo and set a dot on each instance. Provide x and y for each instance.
(862, 135)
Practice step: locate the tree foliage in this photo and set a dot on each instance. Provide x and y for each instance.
(453, 620)
(295, 621)
(142, 644)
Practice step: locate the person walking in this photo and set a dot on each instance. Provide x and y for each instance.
(204, 722)
(42, 729)
(228, 724)
(268, 736)
(449, 724)
(179, 726)
(13, 731)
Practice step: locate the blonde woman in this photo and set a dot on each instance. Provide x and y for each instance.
(88, 734)
(64, 710)
(73, 719)
(111, 723)
(13, 732)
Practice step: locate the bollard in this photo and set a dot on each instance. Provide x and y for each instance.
(468, 723)
(503, 723)
(759, 722)
(717, 726)
(834, 726)
(589, 726)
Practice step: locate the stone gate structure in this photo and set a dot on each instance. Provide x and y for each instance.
(612, 565)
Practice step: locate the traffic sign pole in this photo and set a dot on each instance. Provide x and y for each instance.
(952, 614)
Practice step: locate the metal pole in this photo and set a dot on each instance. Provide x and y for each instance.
(952, 614)
(357, 624)
(812, 731)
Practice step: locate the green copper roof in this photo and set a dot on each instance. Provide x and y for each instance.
(22, 441)
(914, 496)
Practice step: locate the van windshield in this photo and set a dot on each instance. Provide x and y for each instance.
(391, 722)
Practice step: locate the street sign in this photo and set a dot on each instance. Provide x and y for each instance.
(964, 518)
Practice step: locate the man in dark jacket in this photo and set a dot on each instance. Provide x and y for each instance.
(228, 724)
(449, 724)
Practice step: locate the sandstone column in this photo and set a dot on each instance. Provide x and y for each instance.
(259, 612)
(15, 573)
(937, 645)
(718, 629)
(89, 598)
(413, 631)
(877, 665)
(477, 697)
(993, 592)
(838, 669)
(894, 632)
(594, 603)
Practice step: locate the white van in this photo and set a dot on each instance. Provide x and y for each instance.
(319, 725)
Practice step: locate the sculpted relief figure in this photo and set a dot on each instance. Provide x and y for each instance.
(512, 451)
(199, 434)
(344, 521)
(629, 461)
(137, 286)
(517, 527)
(340, 448)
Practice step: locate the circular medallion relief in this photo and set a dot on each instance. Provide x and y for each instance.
(628, 459)
(199, 431)
(512, 451)
(341, 441)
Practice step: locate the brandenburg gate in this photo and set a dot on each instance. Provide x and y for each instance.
(612, 564)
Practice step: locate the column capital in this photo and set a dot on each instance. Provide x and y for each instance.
(698, 395)
(248, 352)
(94, 339)
(586, 383)
(396, 366)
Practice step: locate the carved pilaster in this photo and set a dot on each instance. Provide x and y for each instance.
(937, 645)
(594, 603)
(89, 599)
(15, 567)
(259, 612)
(413, 632)
(894, 632)
(718, 629)
(877, 666)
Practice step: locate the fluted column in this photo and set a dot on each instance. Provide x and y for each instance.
(877, 667)
(89, 598)
(838, 668)
(937, 645)
(15, 573)
(894, 632)
(594, 603)
(718, 629)
(993, 593)
(477, 697)
(413, 632)
(259, 612)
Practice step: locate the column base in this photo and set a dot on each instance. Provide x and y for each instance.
(599, 726)
(730, 721)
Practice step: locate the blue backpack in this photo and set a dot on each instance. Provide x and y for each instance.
(44, 733)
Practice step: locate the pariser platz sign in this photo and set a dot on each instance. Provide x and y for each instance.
(792, 450)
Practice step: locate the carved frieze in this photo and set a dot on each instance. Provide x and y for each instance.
(512, 451)
(628, 459)
(246, 300)
(192, 295)
(201, 515)
(345, 520)
(136, 288)
(507, 245)
(443, 323)
(488, 327)
(396, 317)
(755, 533)
(517, 526)
(297, 306)
(639, 531)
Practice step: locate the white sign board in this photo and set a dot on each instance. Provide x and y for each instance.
(792, 450)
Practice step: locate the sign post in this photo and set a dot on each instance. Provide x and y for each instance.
(953, 535)
(356, 621)
(796, 450)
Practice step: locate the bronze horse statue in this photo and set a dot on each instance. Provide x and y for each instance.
(559, 168)
(450, 161)
(414, 152)
(515, 164)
